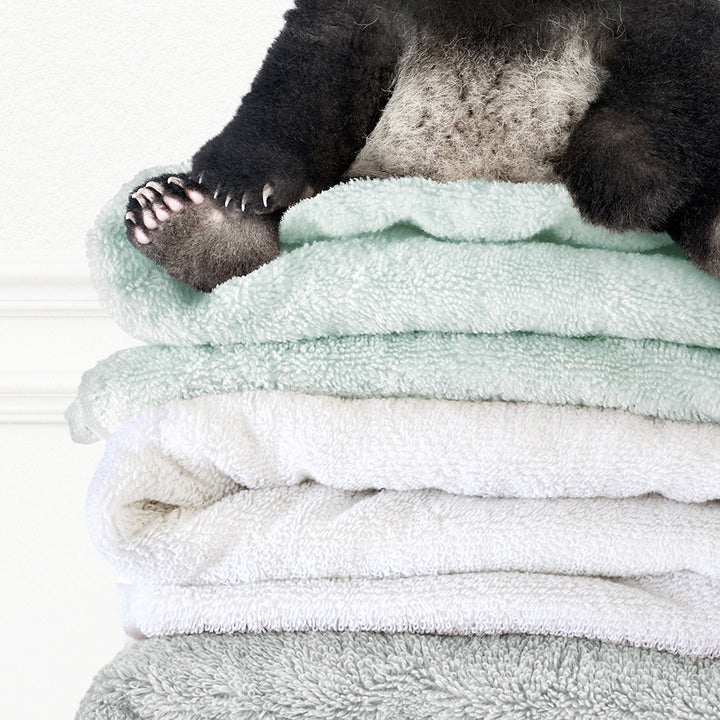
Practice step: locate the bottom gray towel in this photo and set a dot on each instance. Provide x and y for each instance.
(343, 676)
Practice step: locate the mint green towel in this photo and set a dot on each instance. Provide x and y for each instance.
(675, 382)
(411, 255)
(406, 287)
(356, 676)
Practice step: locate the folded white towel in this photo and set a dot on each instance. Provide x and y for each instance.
(496, 449)
(678, 613)
(277, 495)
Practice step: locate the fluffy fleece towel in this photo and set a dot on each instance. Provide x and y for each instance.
(356, 676)
(290, 512)
(405, 287)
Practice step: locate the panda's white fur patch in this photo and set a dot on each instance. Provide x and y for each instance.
(500, 115)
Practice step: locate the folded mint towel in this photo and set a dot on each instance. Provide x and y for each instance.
(664, 380)
(326, 676)
(408, 255)
(406, 287)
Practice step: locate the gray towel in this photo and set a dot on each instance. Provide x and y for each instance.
(372, 676)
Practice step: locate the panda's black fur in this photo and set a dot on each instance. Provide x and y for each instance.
(618, 99)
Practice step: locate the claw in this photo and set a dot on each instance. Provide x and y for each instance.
(228, 200)
(201, 177)
(216, 193)
(155, 185)
(131, 217)
(147, 194)
(268, 192)
(137, 195)
(243, 202)
(196, 197)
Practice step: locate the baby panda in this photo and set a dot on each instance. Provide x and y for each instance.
(617, 99)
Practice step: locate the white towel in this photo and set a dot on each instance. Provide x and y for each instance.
(494, 449)
(263, 496)
(677, 613)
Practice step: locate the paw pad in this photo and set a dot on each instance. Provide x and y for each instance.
(157, 202)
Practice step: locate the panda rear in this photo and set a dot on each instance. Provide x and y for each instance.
(618, 100)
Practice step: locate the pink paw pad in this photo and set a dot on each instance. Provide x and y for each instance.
(157, 202)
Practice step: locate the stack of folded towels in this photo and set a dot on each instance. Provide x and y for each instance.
(454, 454)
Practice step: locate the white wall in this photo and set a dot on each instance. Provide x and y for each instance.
(92, 93)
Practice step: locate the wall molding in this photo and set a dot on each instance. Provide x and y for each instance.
(53, 329)
(46, 288)
(36, 400)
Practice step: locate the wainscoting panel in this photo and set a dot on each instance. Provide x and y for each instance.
(53, 329)
(60, 596)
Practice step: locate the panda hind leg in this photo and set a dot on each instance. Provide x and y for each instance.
(617, 174)
(195, 237)
(696, 227)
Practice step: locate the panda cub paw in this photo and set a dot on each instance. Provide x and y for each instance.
(199, 237)
(157, 202)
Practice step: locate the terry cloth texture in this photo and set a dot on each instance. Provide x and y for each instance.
(325, 676)
(409, 255)
(466, 291)
(662, 380)
(282, 439)
(298, 452)
(306, 512)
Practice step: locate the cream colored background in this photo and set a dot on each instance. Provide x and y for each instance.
(91, 93)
